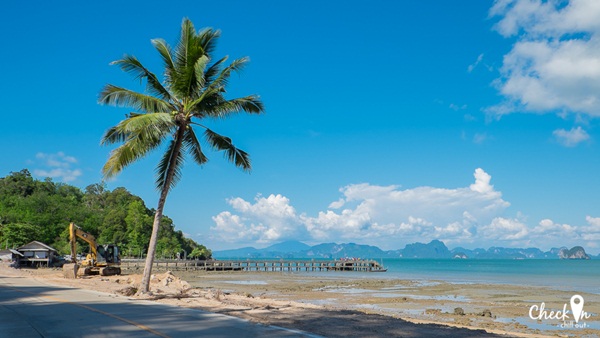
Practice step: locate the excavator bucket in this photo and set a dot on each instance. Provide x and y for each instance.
(70, 270)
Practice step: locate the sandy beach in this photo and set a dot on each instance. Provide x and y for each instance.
(343, 305)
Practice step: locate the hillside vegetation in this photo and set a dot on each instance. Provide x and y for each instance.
(32, 209)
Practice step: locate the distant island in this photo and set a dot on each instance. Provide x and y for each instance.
(434, 249)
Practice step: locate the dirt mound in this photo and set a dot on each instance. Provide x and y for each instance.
(168, 283)
(163, 283)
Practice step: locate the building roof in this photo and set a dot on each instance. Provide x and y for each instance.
(15, 252)
(10, 252)
(36, 246)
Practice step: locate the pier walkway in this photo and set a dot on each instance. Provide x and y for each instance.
(258, 265)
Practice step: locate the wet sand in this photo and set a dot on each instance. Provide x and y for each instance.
(500, 308)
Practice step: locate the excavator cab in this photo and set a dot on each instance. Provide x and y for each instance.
(108, 253)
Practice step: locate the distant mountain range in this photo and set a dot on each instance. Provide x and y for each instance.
(433, 249)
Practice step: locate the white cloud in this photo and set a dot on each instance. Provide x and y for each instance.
(504, 229)
(267, 220)
(555, 64)
(457, 107)
(368, 213)
(591, 232)
(391, 217)
(547, 228)
(56, 166)
(571, 138)
(482, 182)
(475, 64)
(480, 138)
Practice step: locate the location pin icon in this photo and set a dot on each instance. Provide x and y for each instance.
(577, 307)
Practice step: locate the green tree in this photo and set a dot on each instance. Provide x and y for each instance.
(139, 226)
(200, 252)
(192, 91)
(14, 235)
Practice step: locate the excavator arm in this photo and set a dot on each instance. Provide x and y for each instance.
(76, 232)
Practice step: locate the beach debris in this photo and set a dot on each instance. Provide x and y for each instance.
(486, 313)
(216, 294)
(128, 291)
(433, 311)
(459, 311)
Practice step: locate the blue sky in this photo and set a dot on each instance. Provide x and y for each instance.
(387, 122)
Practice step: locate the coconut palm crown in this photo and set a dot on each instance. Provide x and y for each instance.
(192, 90)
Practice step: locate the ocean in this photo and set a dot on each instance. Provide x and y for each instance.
(567, 275)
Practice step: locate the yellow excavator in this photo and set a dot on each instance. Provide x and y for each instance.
(102, 260)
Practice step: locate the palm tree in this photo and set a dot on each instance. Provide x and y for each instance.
(191, 92)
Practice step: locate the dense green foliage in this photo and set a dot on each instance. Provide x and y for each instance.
(31, 209)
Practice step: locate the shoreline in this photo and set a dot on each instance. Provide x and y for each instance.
(326, 304)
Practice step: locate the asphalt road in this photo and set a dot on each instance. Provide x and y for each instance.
(29, 308)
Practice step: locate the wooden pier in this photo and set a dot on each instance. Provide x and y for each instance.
(258, 265)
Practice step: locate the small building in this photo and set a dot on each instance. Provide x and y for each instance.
(37, 254)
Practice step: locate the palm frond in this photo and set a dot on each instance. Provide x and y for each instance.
(189, 52)
(214, 69)
(132, 65)
(192, 144)
(185, 44)
(210, 97)
(237, 65)
(171, 162)
(164, 50)
(250, 104)
(146, 127)
(240, 158)
(129, 152)
(118, 96)
(199, 68)
(207, 38)
(113, 135)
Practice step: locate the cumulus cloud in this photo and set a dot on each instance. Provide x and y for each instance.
(554, 66)
(57, 166)
(369, 214)
(482, 182)
(571, 138)
(266, 220)
(505, 229)
(391, 217)
(591, 232)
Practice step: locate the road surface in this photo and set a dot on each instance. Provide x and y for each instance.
(30, 308)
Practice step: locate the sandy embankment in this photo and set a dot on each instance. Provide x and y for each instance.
(335, 306)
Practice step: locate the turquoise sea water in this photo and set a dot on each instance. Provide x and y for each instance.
(568, 275)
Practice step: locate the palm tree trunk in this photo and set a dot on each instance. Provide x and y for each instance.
(145, 284)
